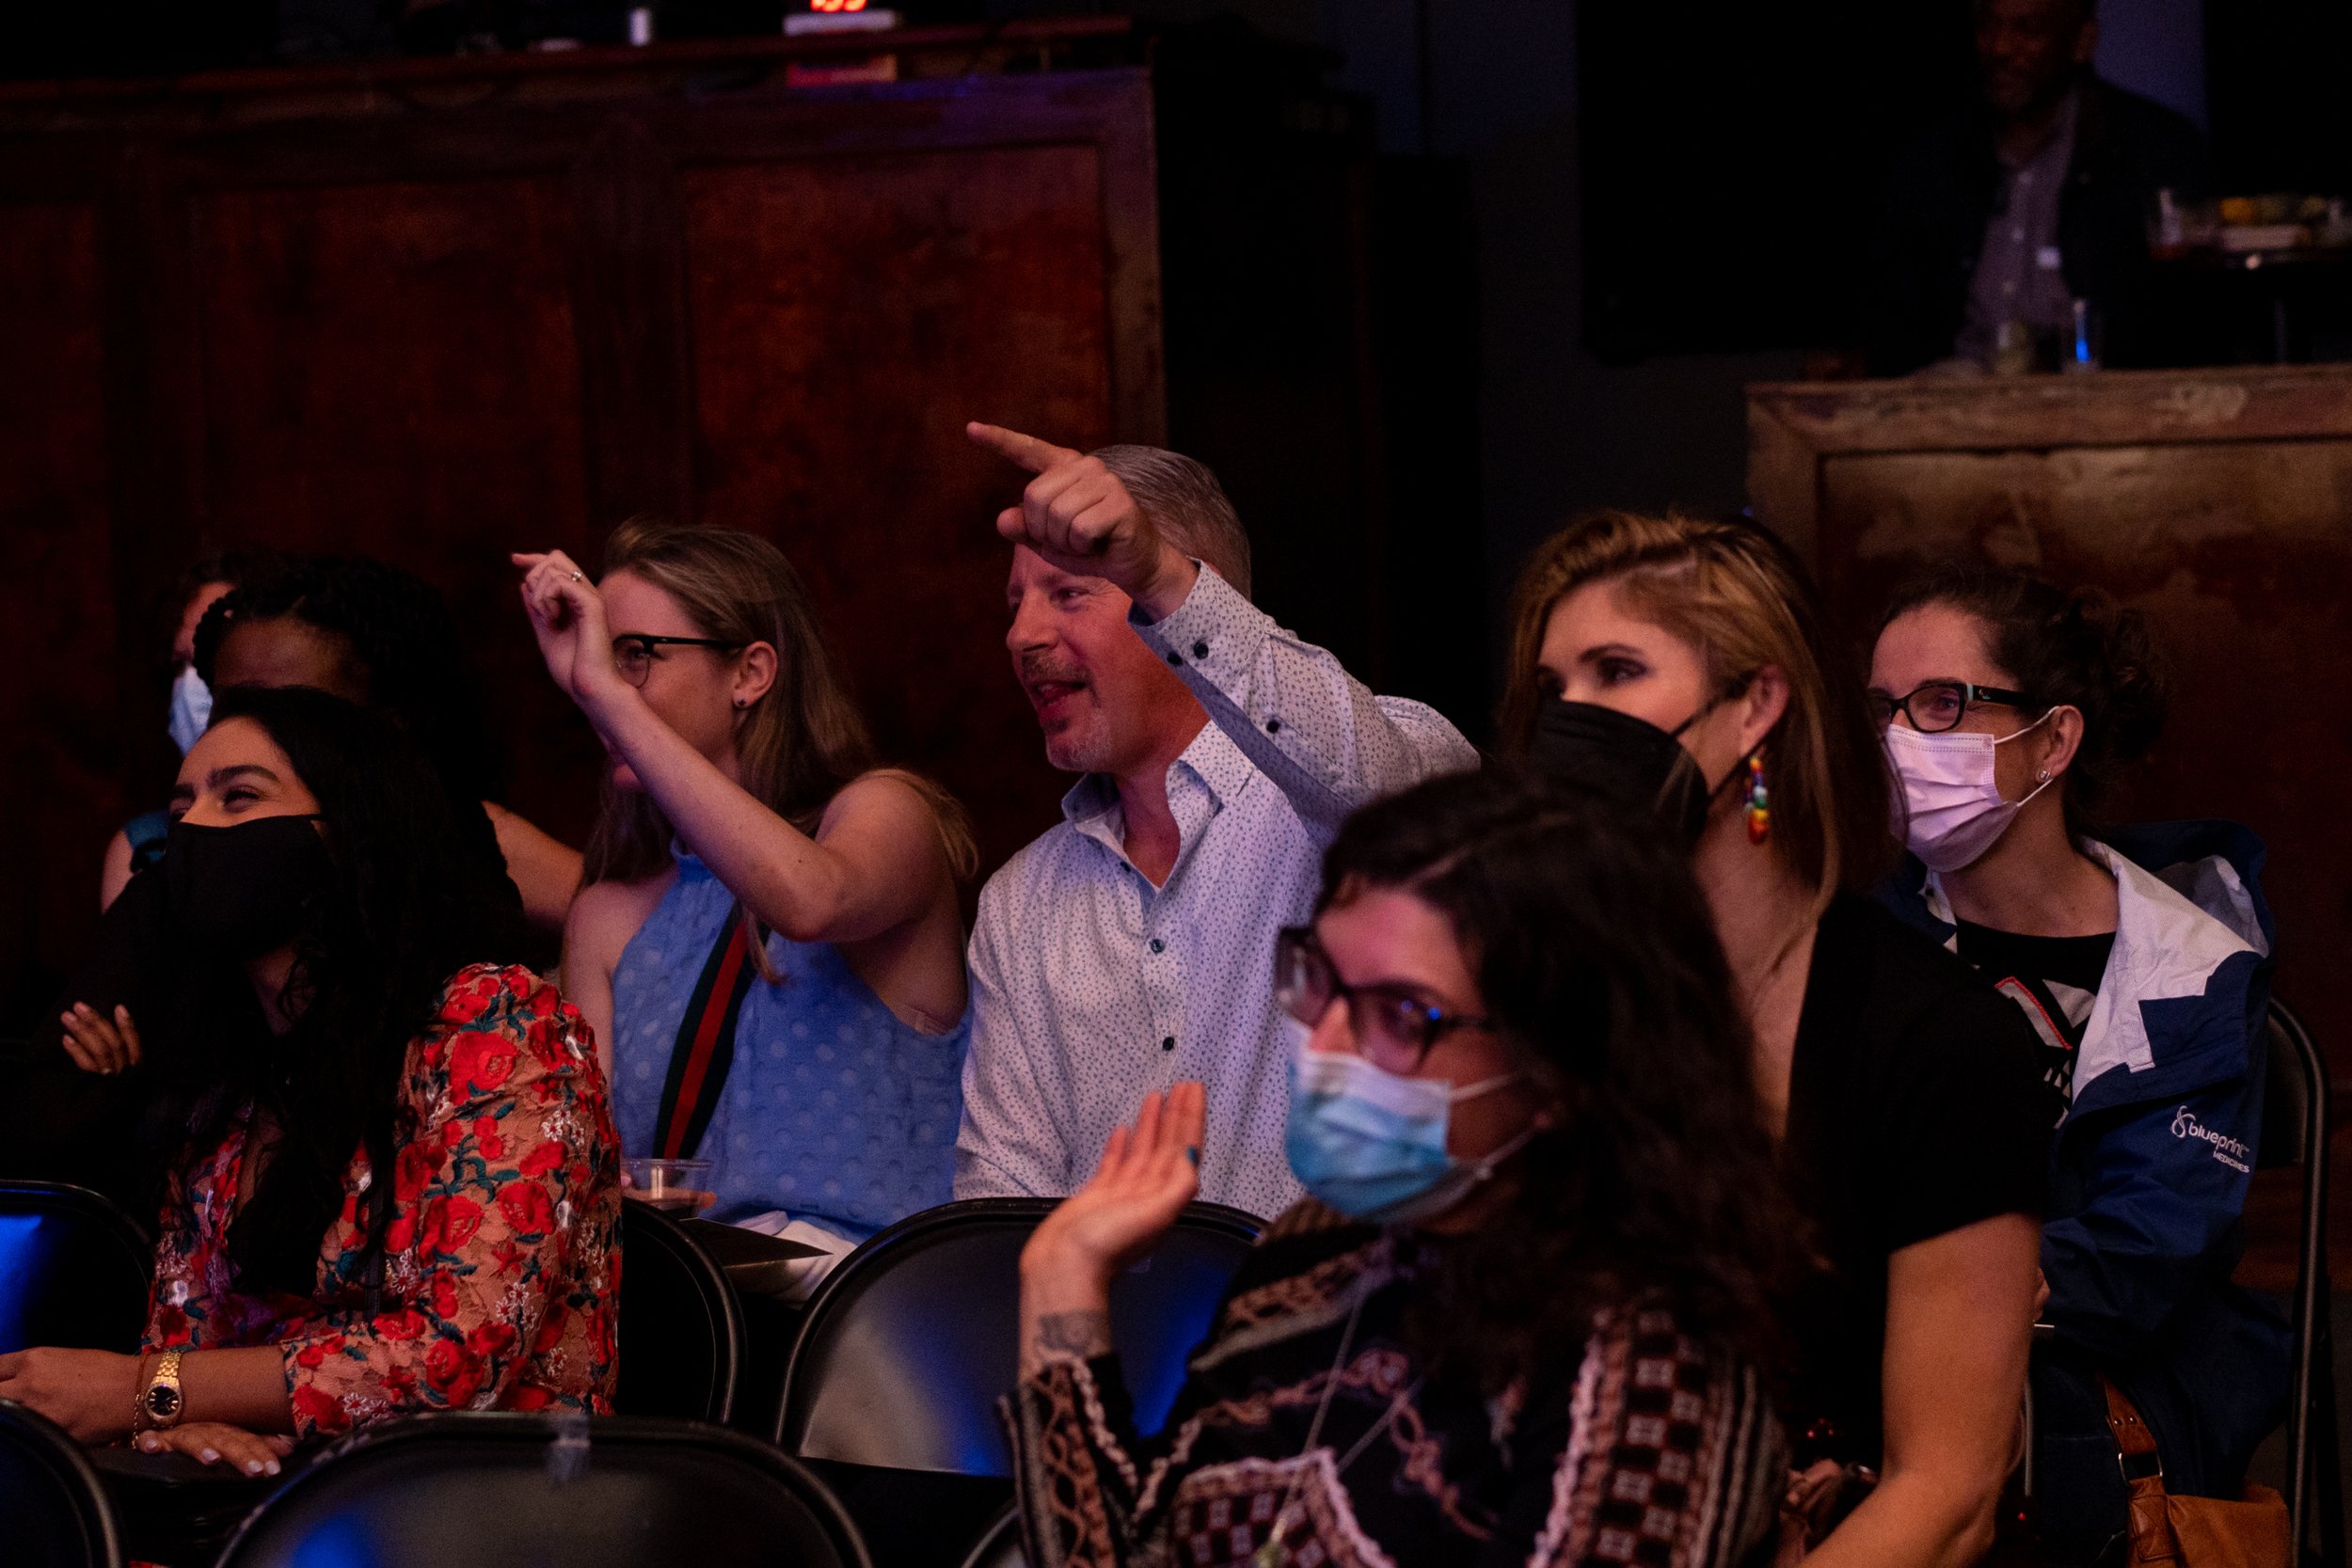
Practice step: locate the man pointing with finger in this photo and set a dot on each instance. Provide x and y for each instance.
(1132, 947)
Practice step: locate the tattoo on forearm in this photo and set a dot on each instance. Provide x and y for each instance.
(1080, 1333)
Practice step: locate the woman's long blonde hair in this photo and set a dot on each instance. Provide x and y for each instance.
(1734, 591)
(801, 743)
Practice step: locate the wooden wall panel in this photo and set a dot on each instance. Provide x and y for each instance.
(60, 709)
(390, 370)
(813, 288)
(506, 303)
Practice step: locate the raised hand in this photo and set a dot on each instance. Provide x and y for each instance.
(1148, 1172)
(567, 616)
(99, 1044)
(1077, 515)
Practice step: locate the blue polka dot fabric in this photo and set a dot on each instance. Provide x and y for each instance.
(835, 1109)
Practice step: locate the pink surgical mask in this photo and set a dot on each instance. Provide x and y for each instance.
(1952, 808)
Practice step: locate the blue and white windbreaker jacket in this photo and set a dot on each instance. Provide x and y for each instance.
(2149, 1168)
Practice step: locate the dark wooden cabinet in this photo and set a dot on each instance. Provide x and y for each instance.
(439, 313)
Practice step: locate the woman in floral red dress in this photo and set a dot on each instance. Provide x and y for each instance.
(346, 1015)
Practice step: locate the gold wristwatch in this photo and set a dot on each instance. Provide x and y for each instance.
(161, 1401)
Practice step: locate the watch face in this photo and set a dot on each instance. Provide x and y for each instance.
(163, 1402)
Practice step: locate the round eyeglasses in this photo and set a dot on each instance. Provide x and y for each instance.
(633, 651)
(1394, 1028)
(1934, 706)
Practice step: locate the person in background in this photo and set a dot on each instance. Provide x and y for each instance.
(1525, 1312)
(1126, 949)
(376, 635)
(1681, 666)
(2141, 960)
(207, 580)
(394, 1185)
(769, 942)
(2043, 192)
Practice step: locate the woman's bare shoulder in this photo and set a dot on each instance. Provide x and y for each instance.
(604, 915)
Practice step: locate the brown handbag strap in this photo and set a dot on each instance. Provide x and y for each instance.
(2137, 1445)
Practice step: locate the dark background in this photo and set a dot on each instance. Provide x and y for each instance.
(1436, 273)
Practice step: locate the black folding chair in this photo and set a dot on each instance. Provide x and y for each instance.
(619, 1491)
(682, 1330)
(53, 1510)
(2294, 1133)
(75, 1269)
(893, 1384)
(913, 1337)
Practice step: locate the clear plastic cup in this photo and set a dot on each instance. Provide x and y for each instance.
(683, 1185)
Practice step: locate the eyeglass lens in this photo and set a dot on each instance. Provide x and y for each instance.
(1932, 708)
(1392, 1032)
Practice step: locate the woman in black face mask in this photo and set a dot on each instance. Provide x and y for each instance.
(393, 1182)
(1680, 667)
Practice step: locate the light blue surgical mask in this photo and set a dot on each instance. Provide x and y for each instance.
(1372, 1145)
(191, 709)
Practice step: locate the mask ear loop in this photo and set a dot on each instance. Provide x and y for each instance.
(1483, 1087)
(2044, 779)
(1740, 689)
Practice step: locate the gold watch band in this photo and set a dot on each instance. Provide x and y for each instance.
(161, 1401)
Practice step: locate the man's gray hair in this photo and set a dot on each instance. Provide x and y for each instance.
(1186, 503)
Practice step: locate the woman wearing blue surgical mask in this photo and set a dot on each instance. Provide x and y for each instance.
(1520, 1314)
(2009, 705)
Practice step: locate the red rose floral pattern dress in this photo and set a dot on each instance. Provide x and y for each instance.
(502, 1254)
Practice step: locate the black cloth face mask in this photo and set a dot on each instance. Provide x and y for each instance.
(1625, 759)
(239, 892)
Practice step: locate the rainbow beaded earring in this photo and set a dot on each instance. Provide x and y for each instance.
(1760, 800)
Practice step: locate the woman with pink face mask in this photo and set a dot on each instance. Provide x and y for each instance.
(2141, 959)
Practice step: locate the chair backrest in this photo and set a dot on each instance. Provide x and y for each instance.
(2294, 1133)
(681, 1350)
(915, 1336)
(618, 1492)
(53, 1510)
(2294, 1092)
(75, 1269)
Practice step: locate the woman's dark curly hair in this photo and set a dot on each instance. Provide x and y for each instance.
(409, 906)
(2062, 649)
(403, 649)
(1596, 959)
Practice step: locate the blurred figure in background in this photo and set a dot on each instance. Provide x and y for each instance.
(769, 944)
(2042, 192)
(376, 635)
(204, 583)
(1128, 947)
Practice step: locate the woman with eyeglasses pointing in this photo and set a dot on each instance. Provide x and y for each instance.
(768, 940)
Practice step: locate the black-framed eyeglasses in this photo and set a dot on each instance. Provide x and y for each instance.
(1934, 706)
(633, 651)
(1394, 1028)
